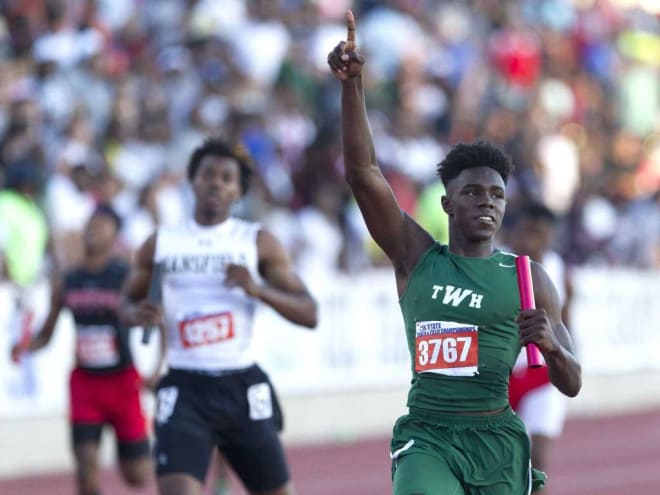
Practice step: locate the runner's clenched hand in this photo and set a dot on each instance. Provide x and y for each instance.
(344, 60)
(535, 328)
(239, 276)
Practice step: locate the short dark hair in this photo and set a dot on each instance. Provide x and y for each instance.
(109, 211)
(471, 155)
(217, 146)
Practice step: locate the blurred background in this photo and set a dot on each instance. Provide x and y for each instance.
(102, 102)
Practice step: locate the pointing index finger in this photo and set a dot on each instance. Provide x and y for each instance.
(350, 26)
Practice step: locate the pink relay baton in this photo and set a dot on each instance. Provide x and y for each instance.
(526, 291)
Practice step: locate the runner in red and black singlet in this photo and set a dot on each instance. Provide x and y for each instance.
(104, 385)
(92, 296)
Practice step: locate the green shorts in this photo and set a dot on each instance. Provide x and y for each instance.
(451, 454)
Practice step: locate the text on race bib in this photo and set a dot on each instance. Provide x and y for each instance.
(96, 346)
(446, 348)
(207, 329)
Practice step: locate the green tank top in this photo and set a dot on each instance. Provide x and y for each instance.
(459, 316)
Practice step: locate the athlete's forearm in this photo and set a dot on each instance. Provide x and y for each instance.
(127, 312)
(358, 147)
(564, 371)
(39, 341)
(152, 380)
(297, 308)
(43, 337)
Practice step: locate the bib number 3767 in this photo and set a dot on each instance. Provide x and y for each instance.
(446, 348)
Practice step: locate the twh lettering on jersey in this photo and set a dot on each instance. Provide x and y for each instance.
(455, 296)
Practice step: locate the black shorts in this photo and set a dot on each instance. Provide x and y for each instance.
(237, 412)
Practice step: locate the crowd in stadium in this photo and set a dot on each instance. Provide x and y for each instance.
(102, 102)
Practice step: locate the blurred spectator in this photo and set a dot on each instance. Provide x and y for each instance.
(23, 225)
(69, 197)
(160, 203)
(23, 246)
(69, 201)
(429, 214)
(318, 244)
(22, 140)
(568, 89)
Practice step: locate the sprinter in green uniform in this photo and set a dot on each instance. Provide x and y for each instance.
(462, 315)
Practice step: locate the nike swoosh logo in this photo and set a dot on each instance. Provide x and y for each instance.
(506, 266)
(397, 453)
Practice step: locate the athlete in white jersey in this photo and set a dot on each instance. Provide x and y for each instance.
(538, 403)
(215, 270)
(208, 323)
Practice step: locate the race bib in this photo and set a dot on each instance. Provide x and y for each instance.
(166, 400)
(207, 329)
(446, 348)
(96, 346)
(260, 401)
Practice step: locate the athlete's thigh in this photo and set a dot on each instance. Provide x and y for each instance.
(422, 474)
(184, 440)
(124, 407)
(84, 407)
(257, 456)
(496, 460)
(250, 437)
(130, 424)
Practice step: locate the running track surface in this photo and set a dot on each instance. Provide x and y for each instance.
(615, 455)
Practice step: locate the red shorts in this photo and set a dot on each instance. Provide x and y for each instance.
(113, 398)
(524, 380)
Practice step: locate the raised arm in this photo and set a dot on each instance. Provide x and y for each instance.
(400, 237)
(283, 290)
(544, 327)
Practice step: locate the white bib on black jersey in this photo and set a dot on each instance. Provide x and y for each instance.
(209, 325)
